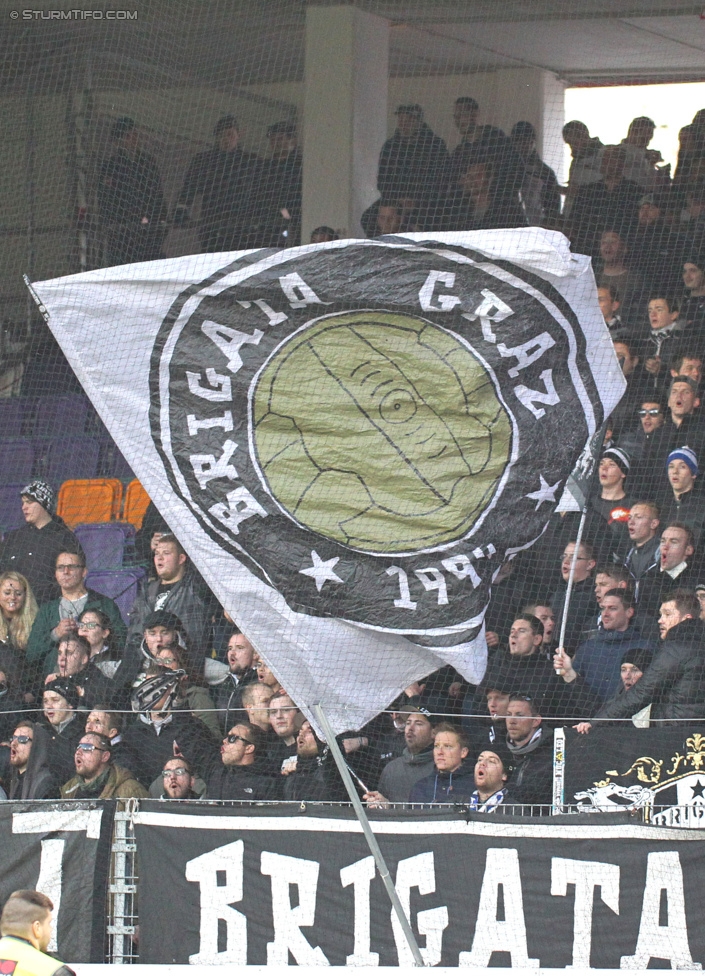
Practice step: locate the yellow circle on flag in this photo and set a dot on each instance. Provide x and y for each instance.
(380, 431)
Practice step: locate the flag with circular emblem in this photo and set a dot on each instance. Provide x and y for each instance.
(350, 438)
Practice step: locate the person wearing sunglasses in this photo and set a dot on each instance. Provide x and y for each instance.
(31, 776)
(97, 777)
(239, 773)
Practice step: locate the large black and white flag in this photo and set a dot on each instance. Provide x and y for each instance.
(350, 438)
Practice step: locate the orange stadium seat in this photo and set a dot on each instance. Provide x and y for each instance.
(90, 500)
(136, 502)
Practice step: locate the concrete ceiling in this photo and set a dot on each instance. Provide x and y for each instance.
(230, 43)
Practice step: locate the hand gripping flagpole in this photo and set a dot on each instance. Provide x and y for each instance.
(597, 441)
(369, 836)
(571, 577)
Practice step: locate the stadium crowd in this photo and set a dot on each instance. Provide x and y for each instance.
(177, 704)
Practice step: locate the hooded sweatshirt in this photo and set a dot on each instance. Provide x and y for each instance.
(442, 787)
(399, 776)
(37, 782)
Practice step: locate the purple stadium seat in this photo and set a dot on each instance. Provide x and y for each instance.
(61, 415)
(16, 460)
(119, 584)
(11, 417)
(11, 507)
(104, 543)
(71, 457)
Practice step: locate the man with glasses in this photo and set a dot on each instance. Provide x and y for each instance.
(31, 777)
(97, 777)
(58, 618)
(239, 773)
(178, 780)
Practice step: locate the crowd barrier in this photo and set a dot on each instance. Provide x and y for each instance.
(196, 884)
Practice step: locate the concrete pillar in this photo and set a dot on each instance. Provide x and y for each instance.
(550, 136)
(345, 116)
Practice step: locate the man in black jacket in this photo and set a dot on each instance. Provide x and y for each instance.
(32, 549)
(674, 569)
(643, 531)
(316, 776)
(531, 746)
(73, 661)
(674, 684)
(582, 603)
(227, 696)
(131, 200)
(527, 670)
(414, 161)
(32, 777)
(238, 773)
(686, 504)
(225, 178)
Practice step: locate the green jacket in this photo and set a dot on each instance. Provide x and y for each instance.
(120, 785)
(42, 647)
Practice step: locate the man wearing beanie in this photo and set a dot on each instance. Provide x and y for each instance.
(634, 663)
(684, 504)
(61, 701)
(33, 548)
(491, 774)
(609, 510)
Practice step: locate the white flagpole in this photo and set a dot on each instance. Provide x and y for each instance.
(369, 836)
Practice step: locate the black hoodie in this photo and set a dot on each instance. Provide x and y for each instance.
(37, 782)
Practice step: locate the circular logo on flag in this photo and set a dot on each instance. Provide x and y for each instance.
(398, 441)
(371, 428)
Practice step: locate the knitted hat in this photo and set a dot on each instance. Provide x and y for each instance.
(40, 491)
(66, 688)
(640, 657)
(620, 458)
(500, 749)
(684, 454)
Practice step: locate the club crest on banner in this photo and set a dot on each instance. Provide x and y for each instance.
(370, 429)
(673, 790)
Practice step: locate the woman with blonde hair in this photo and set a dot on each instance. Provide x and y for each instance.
(18, 608)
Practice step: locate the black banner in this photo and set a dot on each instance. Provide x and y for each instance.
(617, 768)
(279, 887)
(61, 849)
